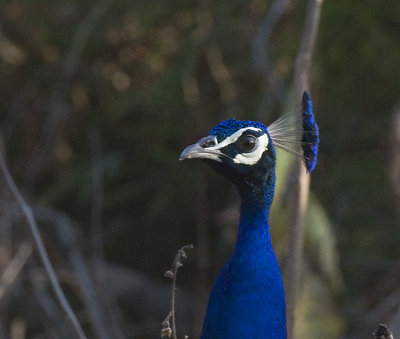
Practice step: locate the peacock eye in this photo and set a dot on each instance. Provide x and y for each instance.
(247, 143)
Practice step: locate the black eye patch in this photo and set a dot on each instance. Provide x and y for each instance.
(246, 143)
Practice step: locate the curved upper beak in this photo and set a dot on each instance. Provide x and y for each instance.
(197, 151)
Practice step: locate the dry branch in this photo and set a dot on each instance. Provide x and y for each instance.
(261, 44)
(301, 181)
(27, 212)
(14, 267)
(264, 33)
(63, 227)
(382, 332)
(166, 329)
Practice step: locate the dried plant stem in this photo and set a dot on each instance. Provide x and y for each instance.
(301, 180)
(27, 211)
(14, 267)
(382, 332)
(172, 273)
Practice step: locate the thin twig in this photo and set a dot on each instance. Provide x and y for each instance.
(27, 211)
(261, 45)
(14, 267)
(166, 329)
(382, 332)
(264, 33)
(301, 182)
(308, 39)
(68, 240)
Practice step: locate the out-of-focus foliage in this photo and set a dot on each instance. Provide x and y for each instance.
(115, 90)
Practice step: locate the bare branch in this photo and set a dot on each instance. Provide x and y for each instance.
(308, 39)
(264, 33)
(14, 267)
(166, 328)
(68, 240)
(301, 181)
(261, 45)
(26, 210)
(382, 332)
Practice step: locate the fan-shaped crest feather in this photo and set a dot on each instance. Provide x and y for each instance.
(310, 139)
(287, 134)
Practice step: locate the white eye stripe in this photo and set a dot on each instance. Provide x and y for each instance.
(252, 158)
(249, 158)
(235, 136)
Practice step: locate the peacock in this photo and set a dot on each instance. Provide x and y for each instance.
(247, 299)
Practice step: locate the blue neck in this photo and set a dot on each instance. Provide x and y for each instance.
(247, 299)
(257, 193)
(253, 236)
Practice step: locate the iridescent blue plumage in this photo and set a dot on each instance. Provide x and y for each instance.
(310, 139)
(247, 300)
(228, 127)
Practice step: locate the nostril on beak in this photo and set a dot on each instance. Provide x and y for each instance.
(208, 142)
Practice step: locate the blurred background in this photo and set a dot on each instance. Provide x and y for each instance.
(98, 99)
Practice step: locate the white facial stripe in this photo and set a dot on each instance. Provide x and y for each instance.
(234, 137)
(252, 158)
(249, 158)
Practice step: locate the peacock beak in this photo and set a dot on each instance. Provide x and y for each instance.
(203, 149)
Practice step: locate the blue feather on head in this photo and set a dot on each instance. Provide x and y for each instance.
(310, 139)
(300, 139)
(228, 127)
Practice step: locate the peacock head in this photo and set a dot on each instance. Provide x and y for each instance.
(243, 151)
(240, 150)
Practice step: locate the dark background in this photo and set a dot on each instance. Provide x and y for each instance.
(97, 101)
